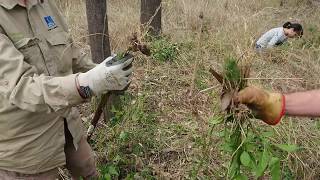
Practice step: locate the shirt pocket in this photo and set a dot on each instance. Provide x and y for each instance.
(32, 53)
(60, 51)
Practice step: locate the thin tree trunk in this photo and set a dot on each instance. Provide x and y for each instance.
(99, 43)
(98, 29)
(150, 17)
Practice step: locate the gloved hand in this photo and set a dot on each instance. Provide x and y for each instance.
(270, 107)
(102, 79)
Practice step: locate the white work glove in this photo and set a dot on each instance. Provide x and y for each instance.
(102, 79)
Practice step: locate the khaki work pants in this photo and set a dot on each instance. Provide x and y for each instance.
(80, 163)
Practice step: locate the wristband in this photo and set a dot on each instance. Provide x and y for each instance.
(84, 91)
(282, 113)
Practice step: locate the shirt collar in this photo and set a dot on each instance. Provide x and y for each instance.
(9, 4)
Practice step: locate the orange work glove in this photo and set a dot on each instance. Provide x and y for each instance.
(270, 107)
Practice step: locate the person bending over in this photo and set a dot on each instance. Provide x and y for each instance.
(278, 36)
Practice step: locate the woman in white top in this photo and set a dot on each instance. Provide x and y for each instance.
(277, 36)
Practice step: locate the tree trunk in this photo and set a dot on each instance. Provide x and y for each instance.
(99, 42)
(98, 29)
(150, 16)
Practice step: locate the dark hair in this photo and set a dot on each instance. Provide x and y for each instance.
(296, 27)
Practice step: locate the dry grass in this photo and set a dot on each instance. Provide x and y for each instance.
(176, 144)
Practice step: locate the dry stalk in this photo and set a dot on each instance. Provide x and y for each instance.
(198, 59)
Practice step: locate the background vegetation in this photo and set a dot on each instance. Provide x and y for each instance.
(165, 130)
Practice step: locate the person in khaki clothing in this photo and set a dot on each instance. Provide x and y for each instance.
(42, 76)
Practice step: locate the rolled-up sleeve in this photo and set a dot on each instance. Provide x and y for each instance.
(30, 91)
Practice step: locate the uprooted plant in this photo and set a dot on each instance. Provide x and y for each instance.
(254, 154)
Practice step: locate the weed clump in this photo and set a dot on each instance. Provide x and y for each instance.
(252, 150)
(163, 50)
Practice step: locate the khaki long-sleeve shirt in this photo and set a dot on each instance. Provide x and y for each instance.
(37, 86)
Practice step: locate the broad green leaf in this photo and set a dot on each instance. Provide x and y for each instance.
(263, 163)
(245, 159)
(288, 147)
(234, 168)
(240, 177)
(250, 147)
(274, 160)
(227, 147)
(235, 165)
(275, 168)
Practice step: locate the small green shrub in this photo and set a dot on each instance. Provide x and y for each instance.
(163, 50)
(129, 138)
(109, 172)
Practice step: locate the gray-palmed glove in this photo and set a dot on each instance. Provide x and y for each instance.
(103, 78)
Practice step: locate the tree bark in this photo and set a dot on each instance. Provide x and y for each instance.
(100, 45)
(150, 16)
(98, 29)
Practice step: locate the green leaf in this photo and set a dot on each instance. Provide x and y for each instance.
(250, 137)
(107, 177)
(112, 170)
(267, 134)
(220, 134)
(245, 159)
(275, 168)
(215, 120)
(227, 147)
(240, 177)
(250, 147)
(288, 147)
(235, 165)
(232, 72)
(263, 163)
